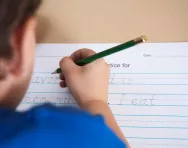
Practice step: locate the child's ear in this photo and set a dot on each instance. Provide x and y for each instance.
(23, 44)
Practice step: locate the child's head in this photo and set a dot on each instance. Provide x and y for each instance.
(17, 48)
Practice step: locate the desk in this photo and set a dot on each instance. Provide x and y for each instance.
(101, 21)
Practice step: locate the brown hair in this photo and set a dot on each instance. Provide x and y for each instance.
(13, 13)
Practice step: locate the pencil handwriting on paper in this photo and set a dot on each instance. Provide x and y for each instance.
(121, 79)
(138, 100)
(45, 80)
(40, 99)
(55, 80)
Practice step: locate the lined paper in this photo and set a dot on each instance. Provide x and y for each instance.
(148, 90)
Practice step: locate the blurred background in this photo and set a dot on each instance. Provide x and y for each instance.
(112, 21)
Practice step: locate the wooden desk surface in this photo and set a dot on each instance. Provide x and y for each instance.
(102, 21)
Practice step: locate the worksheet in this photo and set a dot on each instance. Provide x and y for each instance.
(148, 90)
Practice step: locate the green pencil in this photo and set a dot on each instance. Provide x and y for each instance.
(108, 52)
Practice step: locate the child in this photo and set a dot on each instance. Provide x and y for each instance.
(91, 126)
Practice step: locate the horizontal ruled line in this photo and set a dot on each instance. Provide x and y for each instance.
(129, 73)
(50, 56)
(115, 84)
(140, 115)
(116, 93)
(153, 138)
(168, 56)
(35, 103)
(43, 72)
(148, 105)
(185, 121)
(157, 127)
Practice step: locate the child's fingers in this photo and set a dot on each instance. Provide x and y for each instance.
(63, 84)
(61, 76)
(81, 54)
(68, 66)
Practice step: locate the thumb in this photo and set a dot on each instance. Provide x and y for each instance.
(67, 65)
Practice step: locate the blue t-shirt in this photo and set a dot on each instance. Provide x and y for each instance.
(48, 126)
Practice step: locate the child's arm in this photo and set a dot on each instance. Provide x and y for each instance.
(98, 107)
(89, 86)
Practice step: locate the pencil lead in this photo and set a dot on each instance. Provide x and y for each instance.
(55, 72)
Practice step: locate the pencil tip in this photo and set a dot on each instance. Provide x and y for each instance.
(54, 72)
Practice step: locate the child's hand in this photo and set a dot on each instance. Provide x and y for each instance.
(86, 83)
(89, 86)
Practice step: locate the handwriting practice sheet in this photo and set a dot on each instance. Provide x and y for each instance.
(148, 90)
